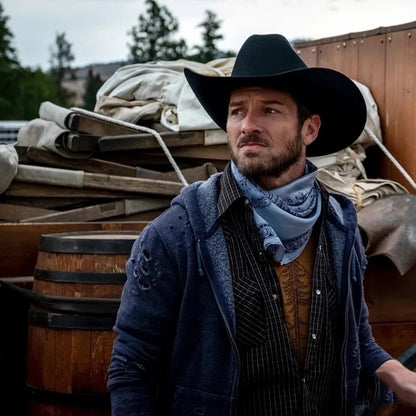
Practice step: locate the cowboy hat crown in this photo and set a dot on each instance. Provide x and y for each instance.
(270, 61)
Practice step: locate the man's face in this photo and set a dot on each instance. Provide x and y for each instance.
(263, 130)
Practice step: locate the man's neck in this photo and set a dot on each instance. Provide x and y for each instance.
(271, 182)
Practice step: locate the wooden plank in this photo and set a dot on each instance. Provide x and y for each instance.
(390, 297)
(12, 212)
(36, 190)
(19, 242)
(217, 152)
(139, 185)
(395, 338)
(64, 177)
(102, 211)
(42, 156)
(141, 216)
(148, 141)
(400, 107)
(372, 54)
(198, 173)
(96, 127)
(78, 143)
(354, 35)
(49, 202)
(341, 56)
(385, 60)
(309, 54)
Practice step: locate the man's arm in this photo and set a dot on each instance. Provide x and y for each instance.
(146, 321)
(401, 380)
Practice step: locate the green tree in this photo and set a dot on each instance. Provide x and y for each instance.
(23, 90)
(8, 54)
(210, 37)
(60, 62)
(92, 85)
(152, 37)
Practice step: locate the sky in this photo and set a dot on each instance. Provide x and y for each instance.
(98, 29)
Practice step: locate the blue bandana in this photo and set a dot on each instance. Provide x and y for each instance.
(286, 215)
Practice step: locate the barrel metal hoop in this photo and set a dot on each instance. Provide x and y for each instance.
(81, 243)
(84, 399)
(71, 321)
(79, 277)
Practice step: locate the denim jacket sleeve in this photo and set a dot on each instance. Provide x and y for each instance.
(145, 325)
(371, 354)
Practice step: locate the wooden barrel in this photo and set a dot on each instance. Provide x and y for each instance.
(77, 286)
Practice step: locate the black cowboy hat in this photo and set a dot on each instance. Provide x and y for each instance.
(270, 61)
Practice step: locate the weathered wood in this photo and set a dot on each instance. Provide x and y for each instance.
(358, 35)
(102, 211)
(394, 337)
(36, 190)
(384, 64)
(139, 185)
(400, 106)
(149, 141)
(390, 297)
(80, 179)
(215, 152)
(72, 355)
(341, 56)
(81, 143)
(12, 212)
(96, 127)
(42, 156)
(197, 173)
(141, 216)
(51, 203)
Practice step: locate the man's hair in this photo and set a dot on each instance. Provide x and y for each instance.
(303, 111)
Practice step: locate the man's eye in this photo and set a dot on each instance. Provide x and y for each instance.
(271, 110)
(235, 111)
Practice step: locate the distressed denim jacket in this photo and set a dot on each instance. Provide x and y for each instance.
(175, 351)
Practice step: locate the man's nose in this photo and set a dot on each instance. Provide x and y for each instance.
(251, 123)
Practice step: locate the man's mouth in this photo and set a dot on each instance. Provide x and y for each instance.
(251, 142)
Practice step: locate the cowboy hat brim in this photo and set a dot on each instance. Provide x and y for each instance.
(324, 91)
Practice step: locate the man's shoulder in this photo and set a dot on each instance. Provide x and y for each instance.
(341, 210)
(196, 200)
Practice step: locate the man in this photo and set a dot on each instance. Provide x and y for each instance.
(245, 297)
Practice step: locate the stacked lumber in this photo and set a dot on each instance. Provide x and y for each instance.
(106, 171)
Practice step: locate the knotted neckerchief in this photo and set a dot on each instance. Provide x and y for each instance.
(286, 215)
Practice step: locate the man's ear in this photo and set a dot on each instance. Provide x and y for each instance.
(310, 128)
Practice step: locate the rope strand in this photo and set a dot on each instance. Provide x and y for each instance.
(138, 128)
(391, 157)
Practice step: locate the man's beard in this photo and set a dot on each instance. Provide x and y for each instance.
(272, 165)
